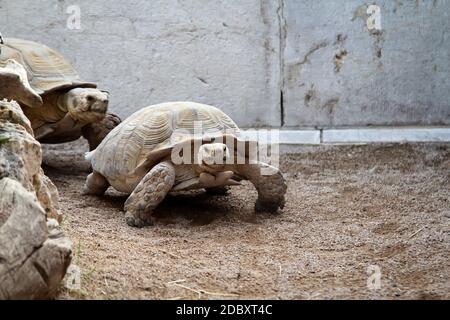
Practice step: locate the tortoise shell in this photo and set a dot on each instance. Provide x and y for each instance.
(47, 70)
(149, 135)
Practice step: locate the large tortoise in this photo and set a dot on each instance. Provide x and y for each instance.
(60, 106)
(178, 146)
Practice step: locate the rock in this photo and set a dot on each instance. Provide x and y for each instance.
(21, 157)
(33, 259)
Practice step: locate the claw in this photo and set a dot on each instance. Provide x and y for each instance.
(270, 207)
(133, 221)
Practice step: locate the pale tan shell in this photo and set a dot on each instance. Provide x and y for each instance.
(149, 133)
(47, 69)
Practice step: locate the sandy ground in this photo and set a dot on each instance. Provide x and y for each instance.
(350, 211)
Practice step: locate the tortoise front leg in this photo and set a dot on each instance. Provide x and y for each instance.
(150, 191)
(64, 130)
(269, 182)
(43, 131)
(95, 132)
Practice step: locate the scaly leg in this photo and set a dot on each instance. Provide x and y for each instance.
(269, 183)
(150, 191)
(64, 130)
(95, 132)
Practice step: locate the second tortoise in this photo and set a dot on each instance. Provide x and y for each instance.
(60, 106)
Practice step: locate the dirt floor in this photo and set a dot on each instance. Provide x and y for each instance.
(350, 211)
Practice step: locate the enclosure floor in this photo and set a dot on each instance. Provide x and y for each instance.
(347, 208)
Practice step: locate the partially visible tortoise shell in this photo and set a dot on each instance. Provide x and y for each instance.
(148, 135)
(47, 69)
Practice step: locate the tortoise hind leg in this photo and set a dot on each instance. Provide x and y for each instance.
(95, 132)
(150, 191)
(96, 184)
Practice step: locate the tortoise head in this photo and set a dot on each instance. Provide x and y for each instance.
(213, 156)
(87, 105)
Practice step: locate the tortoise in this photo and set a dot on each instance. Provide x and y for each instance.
(60, 106)
(178, 146)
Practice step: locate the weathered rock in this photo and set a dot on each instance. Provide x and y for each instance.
(21, 157)
(33, 259)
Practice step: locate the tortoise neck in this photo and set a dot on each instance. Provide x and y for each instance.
(62, 101)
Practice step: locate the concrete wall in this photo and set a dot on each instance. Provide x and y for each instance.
(337, 72)
(223, 53)
(241, 55)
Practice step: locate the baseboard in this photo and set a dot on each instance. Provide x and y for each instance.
(358, 135)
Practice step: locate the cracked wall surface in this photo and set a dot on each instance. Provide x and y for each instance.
(339, 73)
(296, 63)
(224, 53)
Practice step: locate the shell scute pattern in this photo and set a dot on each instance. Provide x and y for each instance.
(47, 70)
(152, 129)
